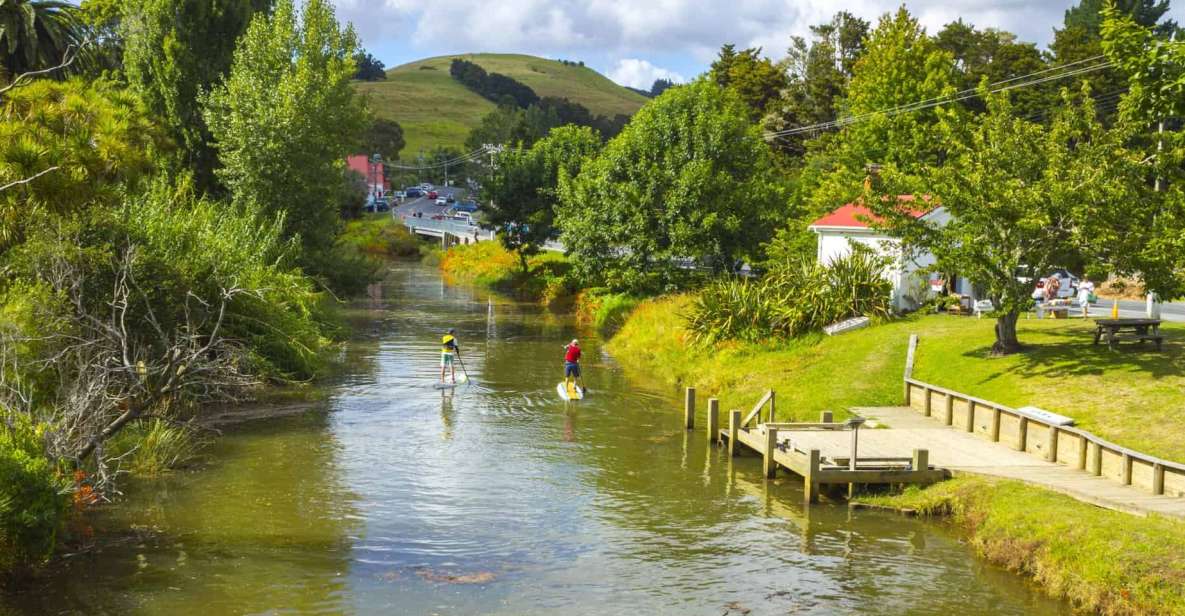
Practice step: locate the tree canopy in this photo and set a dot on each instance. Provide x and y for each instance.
(688, 178)
(36, 34)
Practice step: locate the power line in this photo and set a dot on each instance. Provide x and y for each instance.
(1000, 86)
(446, 163)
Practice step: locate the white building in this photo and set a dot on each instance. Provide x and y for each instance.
(853, 223)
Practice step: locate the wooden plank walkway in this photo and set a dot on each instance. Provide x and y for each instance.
(958, 451)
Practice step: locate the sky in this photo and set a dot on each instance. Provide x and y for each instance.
(635, 42)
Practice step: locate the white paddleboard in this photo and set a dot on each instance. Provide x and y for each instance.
(575, 393)
(444, 385)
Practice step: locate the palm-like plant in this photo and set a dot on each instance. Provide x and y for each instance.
(37, 34)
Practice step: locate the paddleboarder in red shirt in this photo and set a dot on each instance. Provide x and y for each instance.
(572, 364)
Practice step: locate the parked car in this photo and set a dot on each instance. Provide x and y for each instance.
(382, 205)
(450, 199)
(432, 194)
(427, 186)
(414, 193)
(441, 201)
(465, 206)
(399, 194)
(463, 217)
(1067, 284)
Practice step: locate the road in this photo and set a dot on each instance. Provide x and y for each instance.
(426, 207)
(1174, 311)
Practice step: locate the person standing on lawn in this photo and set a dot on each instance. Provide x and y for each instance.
(1085, 290)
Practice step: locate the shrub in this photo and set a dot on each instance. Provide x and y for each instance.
(380, 237)
(791, 301)
(33, 498)
(605, 310)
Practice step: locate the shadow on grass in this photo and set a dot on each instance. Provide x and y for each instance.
(1071, 352)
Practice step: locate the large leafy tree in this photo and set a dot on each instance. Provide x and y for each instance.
(757, 80)
(36, 35)
(286, 118)
(1019, 194)
(689, 177)
(384, 137)
(521, 190)
(995, 55)
(173, 51)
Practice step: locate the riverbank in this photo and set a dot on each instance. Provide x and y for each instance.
(1100, 560)
(489, 265)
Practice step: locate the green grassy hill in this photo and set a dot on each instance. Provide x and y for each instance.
(436, 110)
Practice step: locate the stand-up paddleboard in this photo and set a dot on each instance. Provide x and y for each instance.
(569, 391)
(446, 385)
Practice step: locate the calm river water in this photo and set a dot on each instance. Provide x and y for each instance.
(393, 498)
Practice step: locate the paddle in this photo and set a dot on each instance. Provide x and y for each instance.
(463, 370)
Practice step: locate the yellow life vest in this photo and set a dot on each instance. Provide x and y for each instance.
(445, 343)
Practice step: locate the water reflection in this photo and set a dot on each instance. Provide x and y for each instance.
(499, 498)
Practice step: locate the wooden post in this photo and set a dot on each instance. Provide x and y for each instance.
(995, 425)
(1127, 469)
(771, 406)
(913, 346)
(734, 426)
(713, 420)
(1096, 463)
(1051, 445)
(970, 427)
(689, 408)
(921, 459)
(1157, 479)
(825, 417)
(810, 487)
(769, 466)
(1081, 452)
(929, 409)
(1022, 434)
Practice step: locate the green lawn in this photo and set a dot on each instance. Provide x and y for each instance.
(434, 109)
(1133, 397)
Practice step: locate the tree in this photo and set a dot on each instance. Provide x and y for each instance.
(818, 76)
(659, 86)
(1088, 15)
(521, 190)
(174, 50)
(286, 118)
(37, 34)
(688, 178)
(995, 55)
(384, 137)
(370, 68)
(1016, 194)
(757, 80)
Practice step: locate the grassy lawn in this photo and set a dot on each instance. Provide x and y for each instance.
(1133, 397)
(434, 109)
(1101, 560)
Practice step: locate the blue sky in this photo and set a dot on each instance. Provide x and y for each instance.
(636, 41)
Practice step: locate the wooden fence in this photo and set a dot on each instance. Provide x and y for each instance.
(1041, 435)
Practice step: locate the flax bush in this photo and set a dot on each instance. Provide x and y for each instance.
(791, 301)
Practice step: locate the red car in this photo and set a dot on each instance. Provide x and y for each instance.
(432, 195)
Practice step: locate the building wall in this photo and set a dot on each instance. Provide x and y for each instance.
(908, 283)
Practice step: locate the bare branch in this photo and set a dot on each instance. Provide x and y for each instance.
(28, 179)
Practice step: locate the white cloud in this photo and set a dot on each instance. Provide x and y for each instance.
(641, 74)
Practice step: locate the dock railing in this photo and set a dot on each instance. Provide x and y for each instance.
(1046, 435)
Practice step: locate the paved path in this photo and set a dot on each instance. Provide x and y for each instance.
(959, 451)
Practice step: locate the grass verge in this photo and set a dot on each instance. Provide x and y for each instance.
(1100, 560)
(380, 236)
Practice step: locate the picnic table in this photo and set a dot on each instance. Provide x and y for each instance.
(1115, 330)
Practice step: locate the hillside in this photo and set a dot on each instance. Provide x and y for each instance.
(436, 110)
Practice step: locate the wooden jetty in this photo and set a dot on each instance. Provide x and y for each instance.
(824, 453)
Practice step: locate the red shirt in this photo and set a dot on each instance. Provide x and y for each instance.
(573, 354)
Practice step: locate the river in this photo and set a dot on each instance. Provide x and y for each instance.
(395, 498)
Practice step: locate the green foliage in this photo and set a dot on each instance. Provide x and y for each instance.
(94, 133)
(173, 51)
(496, 87)
(32, 497)
(689, 177)
(791, 301)
(285, 119)
(488, 264)
(155, 446)
(521, 190)
(380, 237)
(757, 80)
(384, 137)
(607, 311)
(1020, 194)
(36, 35)
(996, 56)
(370, 68)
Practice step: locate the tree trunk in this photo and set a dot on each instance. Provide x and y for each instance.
(522, 259)
(132, 413)
(1006, 342)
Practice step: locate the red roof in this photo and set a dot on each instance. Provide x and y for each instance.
(361, 164)
(855, 215)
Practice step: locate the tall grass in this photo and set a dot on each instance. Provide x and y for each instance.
(791, 301)
(153, 447)
(380, 237)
